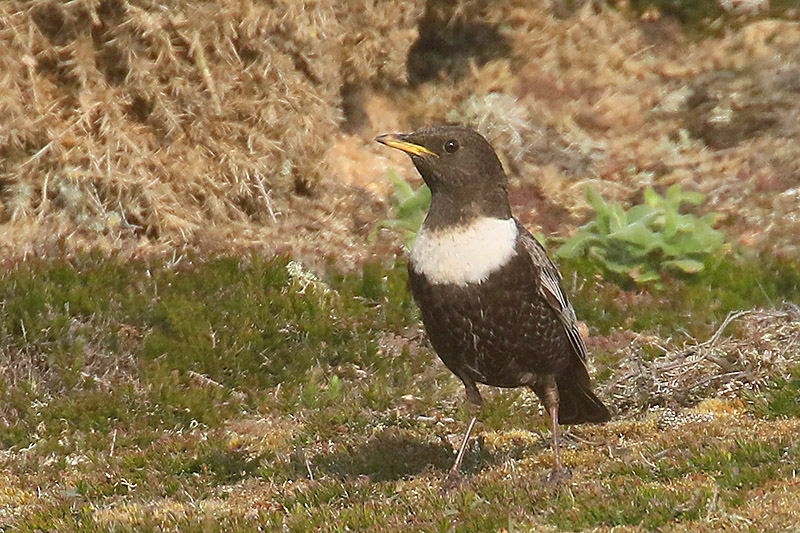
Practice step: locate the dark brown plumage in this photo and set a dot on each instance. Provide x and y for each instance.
(491, 299)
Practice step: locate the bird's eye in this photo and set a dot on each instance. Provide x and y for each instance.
(451, 146)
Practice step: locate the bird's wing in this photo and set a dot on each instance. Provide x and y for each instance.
(551, 290)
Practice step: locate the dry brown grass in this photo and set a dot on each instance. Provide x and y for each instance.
(144, 120)
(139, 125)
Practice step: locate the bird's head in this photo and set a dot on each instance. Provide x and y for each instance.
(449, 156)
(460, 167)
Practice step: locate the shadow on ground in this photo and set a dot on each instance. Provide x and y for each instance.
(393, 455)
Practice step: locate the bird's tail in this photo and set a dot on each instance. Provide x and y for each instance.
(577, 404)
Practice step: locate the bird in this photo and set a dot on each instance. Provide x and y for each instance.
(491, 300)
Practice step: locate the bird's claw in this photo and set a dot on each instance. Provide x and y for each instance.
(557, 477)
(453, 481)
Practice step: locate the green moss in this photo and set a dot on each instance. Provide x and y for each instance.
(737, 467)
(167, 367)
(627, 501)
(202, 335)
(695, 305)
(780, 398)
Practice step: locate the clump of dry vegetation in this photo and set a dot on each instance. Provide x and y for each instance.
(137, 122)
(161, 121)
(722, 366)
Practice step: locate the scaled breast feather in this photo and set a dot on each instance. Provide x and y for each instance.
(464, 255)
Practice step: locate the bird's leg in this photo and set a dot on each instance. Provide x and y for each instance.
(554, 425)
(559, 474)
(474, 397)
(460, 456)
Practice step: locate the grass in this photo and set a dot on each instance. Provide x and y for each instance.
(726, 284)
(234, 393)
(781, 399)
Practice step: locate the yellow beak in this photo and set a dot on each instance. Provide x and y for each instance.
(398, 141)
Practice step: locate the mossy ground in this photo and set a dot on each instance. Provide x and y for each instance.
(231, 394)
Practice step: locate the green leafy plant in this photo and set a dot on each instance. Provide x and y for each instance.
(648, 239)
(409, 207)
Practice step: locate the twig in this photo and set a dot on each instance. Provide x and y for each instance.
(199, 56)
(733, 315)
(308, 467)
(30, 63)
(203, 380)
(712, 504)
(113, 443)
(569, 434)
(790, 345)
(265, 196)
(37, 155)
(649, 463)
(45, 202)
(662, 453)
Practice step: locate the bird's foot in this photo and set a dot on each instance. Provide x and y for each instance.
(453, 481)
(557, 477)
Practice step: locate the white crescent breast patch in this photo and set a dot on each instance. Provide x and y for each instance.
(465, 255)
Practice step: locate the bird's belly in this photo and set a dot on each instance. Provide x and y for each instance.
(498, 332)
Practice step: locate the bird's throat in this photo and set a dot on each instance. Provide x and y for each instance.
(464, 254)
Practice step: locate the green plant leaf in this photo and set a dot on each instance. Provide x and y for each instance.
(576, 245)
(617, 267)
(415, 205)
(539, 236)
(667, 248)
(402, 190)
(409, 208)
(597, 202)
(671, 221)
(646, 239)
(644, 274)
(601, 208)
(693, 197)
(617, 218)
(675, 197)
(690, 266)
(652, 198)
(708, 239)
(637, 234)
(641, 212)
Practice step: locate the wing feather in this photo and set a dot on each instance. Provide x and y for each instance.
(551, 290)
